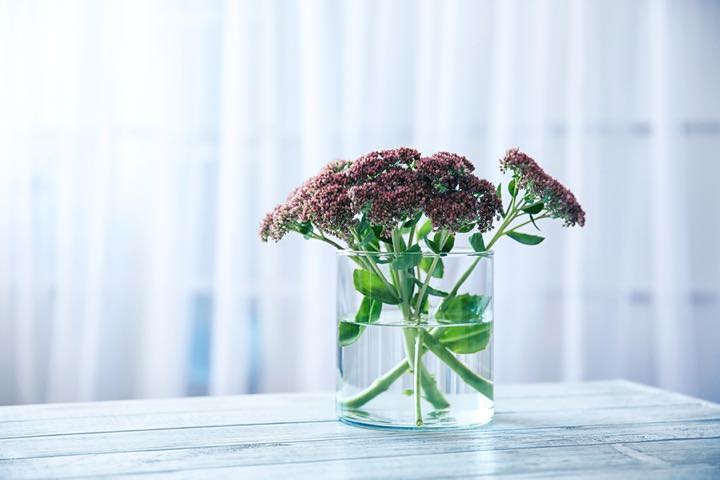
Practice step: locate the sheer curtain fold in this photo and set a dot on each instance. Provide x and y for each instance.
(140, 145)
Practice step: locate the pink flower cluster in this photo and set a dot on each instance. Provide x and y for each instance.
(456, 197)
(368, 167)
(558, 200)
(323, 200)
(388, 187)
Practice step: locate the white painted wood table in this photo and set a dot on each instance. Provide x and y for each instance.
(613, 429)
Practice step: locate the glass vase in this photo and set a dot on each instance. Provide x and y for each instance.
(415, 336)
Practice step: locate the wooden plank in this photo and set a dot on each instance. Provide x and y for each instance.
(301, 409)
(437, 464)
(277, 451)
(193, 404)
(139, 440)
(643, 472)
(169, 405)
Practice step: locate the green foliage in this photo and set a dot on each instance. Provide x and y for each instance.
(370, 285)
(534, 224)
(525, 238)
(512, 187)
(424, 229)
(448, 245)
(432, 291)
(379, 234)
(477, 242)
(348, 333)
(436, 244)
(468, 338)
(427, 262)
(413, 221)
(462, 308)
(369, 241)
(534, 209)
(431, 245)
(305, 228)
(369, 312)
(408, 259)
(424, 306)
(498, 191)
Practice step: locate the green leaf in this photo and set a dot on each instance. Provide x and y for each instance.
(424, 229)
(431, 245)
(408, 392)
(305, 228)
(431, 291)
(407, 259)
(524, 238)
(534, 224)
(462, 308)
(368, 239)
(447, 246)
(378, 233)
(370, 285)
(369, 311)
(348, 333)
(498, 191)
(467, 339)
(512, 187)
(424, 306)
(363, 224)
(413, 221)
(477, 242)
(426, 263)
(402, 247)
(534, 209)
(466, 228)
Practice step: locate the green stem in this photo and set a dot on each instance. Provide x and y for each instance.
(479, 383)
(371, 263)
(412, 351)
(421, 293)
(511, 215)
(418, 376)
(528, 222)
(432, 392)
(325, 239)
(378, 386)
(382, 383)
(464, 277)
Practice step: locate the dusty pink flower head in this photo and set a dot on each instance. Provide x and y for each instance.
(455, 197)
(322, 200)
(327, 201)
(369, 166)
(386, 188)
(276, 224)
(558, 200)
(337, 166)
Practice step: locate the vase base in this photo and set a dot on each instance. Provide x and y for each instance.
(434, 422)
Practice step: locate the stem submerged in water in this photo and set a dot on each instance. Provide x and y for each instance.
(418, 376)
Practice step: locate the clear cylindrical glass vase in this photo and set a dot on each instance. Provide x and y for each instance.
(415, 336)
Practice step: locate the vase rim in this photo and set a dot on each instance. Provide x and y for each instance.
(458, 252)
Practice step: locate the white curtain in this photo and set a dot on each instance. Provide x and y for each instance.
(141, 142)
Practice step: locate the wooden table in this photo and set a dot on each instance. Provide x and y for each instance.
(611, 429)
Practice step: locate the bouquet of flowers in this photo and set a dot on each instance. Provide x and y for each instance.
(399, 214)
